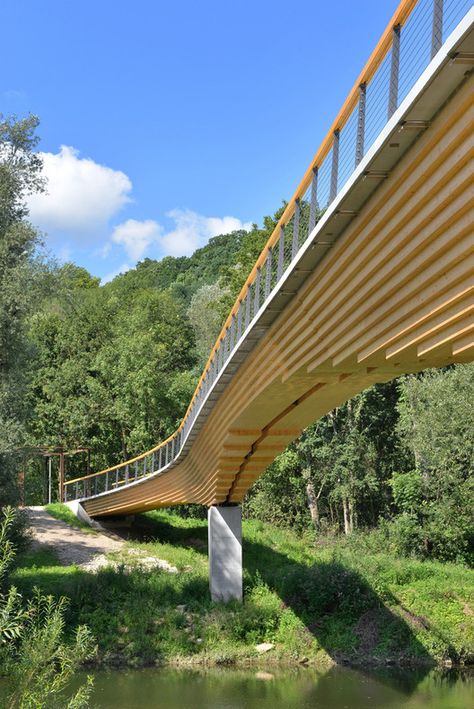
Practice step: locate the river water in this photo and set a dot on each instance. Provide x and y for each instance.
(337, 688)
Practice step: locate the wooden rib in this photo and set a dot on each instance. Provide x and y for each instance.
(463, 343)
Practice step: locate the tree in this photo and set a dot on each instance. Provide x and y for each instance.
(20, 175)
(114, 369)
(436, 499)
(205, 316)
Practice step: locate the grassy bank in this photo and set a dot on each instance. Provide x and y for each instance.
(65, 514)
(314, 603)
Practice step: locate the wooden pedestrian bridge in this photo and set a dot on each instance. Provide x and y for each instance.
(369, 274)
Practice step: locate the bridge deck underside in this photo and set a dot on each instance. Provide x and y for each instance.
(394, 294)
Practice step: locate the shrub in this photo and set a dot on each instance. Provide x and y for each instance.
(35, 660)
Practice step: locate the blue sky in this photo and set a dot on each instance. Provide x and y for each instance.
(163, 124)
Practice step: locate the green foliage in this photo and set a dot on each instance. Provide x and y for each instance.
(354, 469)
(279, 496)
(40, 667)
(251, 244)
(12, 615)
(437, 421)
(336, 475)
(407, 490)
(112, 373)
(36, 662)
(204, 313)
(20, 175)
(183, 276)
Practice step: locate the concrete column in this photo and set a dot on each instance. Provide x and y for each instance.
(225, 552)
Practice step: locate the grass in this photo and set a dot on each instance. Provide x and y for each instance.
(316, 604)
(63, 513)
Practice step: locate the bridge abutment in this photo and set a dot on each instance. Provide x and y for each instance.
(225, 552)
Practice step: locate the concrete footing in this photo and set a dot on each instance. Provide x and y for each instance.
(225, 552)
(76, 507)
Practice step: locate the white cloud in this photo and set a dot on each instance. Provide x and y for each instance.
(81, 194)
(136, 237)
(191, 231)
(194, 230)
(116, 272)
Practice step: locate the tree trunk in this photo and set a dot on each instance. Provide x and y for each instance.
(312, 503)
(347, 516)
(351, 516)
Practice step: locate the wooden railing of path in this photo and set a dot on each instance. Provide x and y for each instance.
(368, 274)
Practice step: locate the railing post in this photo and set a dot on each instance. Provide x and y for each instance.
(220, 355)
(247, 307)
(268, 273)
(314, 201)
(62, 476)
(437, 31)
(233, 327)
(394, 67)
(360, 124)
(106, 481)
(256, 301)
(296, 230)
(227, 347)
(281, 252)
(335, 166)
(239, 321)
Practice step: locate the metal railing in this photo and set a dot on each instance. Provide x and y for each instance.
(413, 37)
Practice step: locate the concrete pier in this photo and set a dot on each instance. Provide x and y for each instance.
(225, 552)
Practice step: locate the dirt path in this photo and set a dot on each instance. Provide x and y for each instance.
(73, 546)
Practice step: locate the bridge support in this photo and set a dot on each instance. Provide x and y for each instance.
(225, 552)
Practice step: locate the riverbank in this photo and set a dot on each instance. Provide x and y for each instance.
(310, 604)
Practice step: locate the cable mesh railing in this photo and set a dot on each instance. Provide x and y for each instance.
(414, 36)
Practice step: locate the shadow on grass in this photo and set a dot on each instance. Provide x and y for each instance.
(337, 606)
(136, 617)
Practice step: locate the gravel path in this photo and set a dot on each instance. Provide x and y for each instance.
(73, 546)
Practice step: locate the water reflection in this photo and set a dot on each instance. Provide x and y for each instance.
(270, 688)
